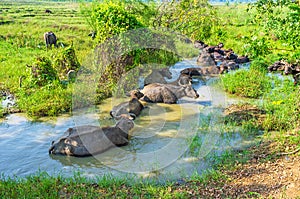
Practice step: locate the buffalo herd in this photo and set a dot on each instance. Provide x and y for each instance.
(89, 140)
(212, 61)
(287, 69)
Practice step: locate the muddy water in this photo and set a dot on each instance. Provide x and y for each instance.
(161, 143)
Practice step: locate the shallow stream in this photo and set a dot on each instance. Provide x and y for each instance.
(163, 143)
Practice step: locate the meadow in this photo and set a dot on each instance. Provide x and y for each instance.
(22, 43)
(23, 23)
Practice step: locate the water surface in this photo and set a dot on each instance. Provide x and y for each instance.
(161, 144)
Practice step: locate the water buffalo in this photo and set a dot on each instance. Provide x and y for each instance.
(205, 59)
(158, 76)
(48, 11)
(293, 69)
(211, 49)
(296, 79)
(217, 56)
(278, 65)
(204, 71)
(133, 106)
(167, 93)
(183, 79)
(228, 65)
(191, 72)
(90, 140)
(210, 71)
(230, 55)
(242, 59)
(50, 39)
(199, 44)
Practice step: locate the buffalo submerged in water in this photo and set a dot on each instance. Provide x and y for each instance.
(89, 140)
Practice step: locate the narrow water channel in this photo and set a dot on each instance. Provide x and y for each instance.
(168, 141)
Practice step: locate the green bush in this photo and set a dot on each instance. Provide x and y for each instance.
(280, 18)
(65, 61)
(119, 49)
(246, 83)
(256, 46)
(41, 92)
(194, 18)
(42, 72)
(111, 19)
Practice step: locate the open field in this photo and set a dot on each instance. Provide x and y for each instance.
(22, 27)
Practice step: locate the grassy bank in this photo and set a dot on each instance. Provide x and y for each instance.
(218, 182)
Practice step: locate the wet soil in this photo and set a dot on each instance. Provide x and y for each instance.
(239, 113)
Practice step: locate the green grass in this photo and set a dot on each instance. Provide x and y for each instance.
(246, 83)
(279, 98)
(21, 42)
(41, 185)
(282, 106)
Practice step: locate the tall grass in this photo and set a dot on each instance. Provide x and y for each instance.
(282, 106)
(279, 96)
(247, 83)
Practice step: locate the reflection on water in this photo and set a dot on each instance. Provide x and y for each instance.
(160, 145)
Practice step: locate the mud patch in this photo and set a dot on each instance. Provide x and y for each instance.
(239, 113)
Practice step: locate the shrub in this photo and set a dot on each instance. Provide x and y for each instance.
(42, 72)
(65, 61)
(259, 64)
(194, 18)
(256, 46)
(280, 18)
(111, 19)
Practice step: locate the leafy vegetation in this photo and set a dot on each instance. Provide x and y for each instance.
(201, 21)
(65, 61)
(194, 18)
(38, 89)
(111, 19)
(280, 19)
